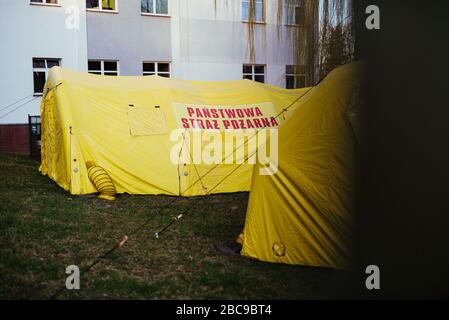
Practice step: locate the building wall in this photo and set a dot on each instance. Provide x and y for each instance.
(28, 31)
(128, 36)
(210, 43)
(203, 42)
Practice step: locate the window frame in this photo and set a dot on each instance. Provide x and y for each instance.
(100, 4)
(253, 73)
(45, 3)
(154, 8)
(45, 70)
(156, 68)
(102, 70)
(264, 15)
(295, 23)
(295, 75)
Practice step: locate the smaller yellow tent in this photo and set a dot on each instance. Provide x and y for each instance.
(302, 214)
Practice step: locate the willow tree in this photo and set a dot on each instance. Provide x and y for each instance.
(322, 33)
(337, 34)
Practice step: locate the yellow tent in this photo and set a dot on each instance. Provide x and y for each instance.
(302, 214)
(125, 126)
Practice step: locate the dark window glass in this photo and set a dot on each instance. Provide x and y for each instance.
(52, 63)
(148, 67)
(39, 81)
(247, 69)
(96, 72)
(39, 63)
(38, 1)
(259, 69)
(110, 66)
(290, 82)
(92, 4)
(165, 75)
(163, 67)
(247, 76)
(300, 81)
(289, 70)
(299, 15)
(110, 73)
(162, 6)
(146, 6)
(94, 65)
(259, 78)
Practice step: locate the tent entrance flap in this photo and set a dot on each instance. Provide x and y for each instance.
(146, 121)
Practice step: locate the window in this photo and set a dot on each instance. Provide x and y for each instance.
(41, 66)
(294, 12)
(44, 1)
(295, 77)
(258, 11)
(254, 72)
(103, 67)
(102, 5)
(154, 6)
(159, 68)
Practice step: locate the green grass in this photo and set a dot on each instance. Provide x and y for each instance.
(43, 229)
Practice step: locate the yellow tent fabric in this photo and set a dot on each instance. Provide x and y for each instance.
(302, 214)
(124, 125)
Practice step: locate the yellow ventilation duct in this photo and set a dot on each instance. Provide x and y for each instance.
(101, 180)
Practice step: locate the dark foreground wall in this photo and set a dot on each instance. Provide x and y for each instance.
(14, 138)
(403, 206)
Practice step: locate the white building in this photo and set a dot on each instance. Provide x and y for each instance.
(212, 43)
(34, 37)
(187, 39)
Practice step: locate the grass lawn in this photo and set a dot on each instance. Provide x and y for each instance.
(43, 229)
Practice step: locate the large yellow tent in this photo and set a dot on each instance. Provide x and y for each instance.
(302, 214)
(125, 124)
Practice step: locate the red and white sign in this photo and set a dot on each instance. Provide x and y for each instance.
(242, 117)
